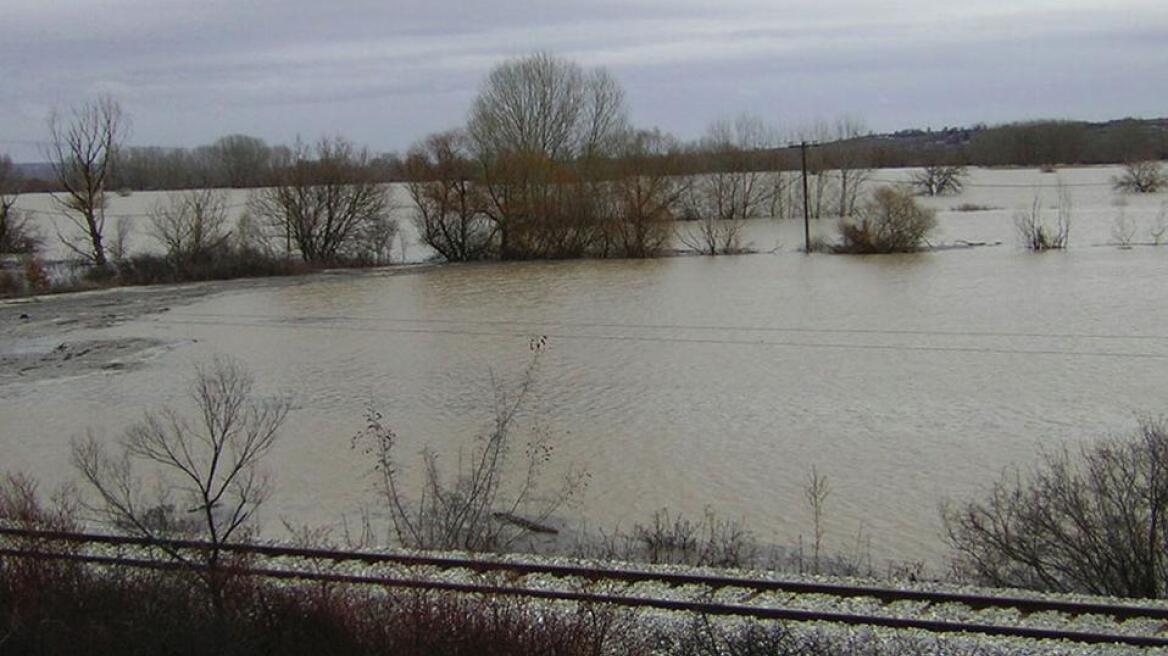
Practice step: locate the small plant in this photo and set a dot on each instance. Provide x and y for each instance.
(710, 541)
(891, 222)
(1033, 230)
(1123, 230)
(816, 493)
(1160, 226)
(1142, 177)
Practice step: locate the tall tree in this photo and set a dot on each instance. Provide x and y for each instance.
(82, 149)
(539, 128)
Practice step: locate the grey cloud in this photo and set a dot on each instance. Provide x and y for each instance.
(393, 71)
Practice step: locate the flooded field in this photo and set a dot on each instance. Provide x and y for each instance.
(687, 382)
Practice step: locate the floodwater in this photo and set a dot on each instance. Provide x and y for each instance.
(690, 382)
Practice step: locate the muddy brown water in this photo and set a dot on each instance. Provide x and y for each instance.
(687, 383)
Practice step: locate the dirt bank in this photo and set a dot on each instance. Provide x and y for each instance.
(51, 336)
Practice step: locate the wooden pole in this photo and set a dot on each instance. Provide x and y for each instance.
(806, 206)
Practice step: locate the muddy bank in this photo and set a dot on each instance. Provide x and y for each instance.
(52, 336)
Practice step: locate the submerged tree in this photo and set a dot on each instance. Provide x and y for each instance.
(647, 190)
(1141, 177)
(449, 202)
(738, 186)
(939, 179)
(540, 130)
(325, 201)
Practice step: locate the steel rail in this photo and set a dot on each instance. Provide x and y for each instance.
(1024, 605)
(703, 607)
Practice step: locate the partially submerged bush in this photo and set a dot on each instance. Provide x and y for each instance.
(1036, 234)
(891, 222)
(1143, 177)
(491, 500)
(1095, 522)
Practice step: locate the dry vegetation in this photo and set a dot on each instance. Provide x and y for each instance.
(1093, 522)
(891, 222)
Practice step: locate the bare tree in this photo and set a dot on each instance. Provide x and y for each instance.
(851, 160)
(939, 179)
(842, 163)
(210, 479)
(647, 190)
(741, 182)
(323, 200)
(1094, 523)
(540, 128)
(82, 150)
(738, 186)
(16, 236)
(479, 507)
(191, 225)
(1141, 177)
(449, 204)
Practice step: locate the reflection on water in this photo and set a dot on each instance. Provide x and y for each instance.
(682, 382)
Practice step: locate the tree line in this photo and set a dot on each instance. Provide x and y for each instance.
(548, 165)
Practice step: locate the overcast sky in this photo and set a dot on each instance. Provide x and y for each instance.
(386, 72)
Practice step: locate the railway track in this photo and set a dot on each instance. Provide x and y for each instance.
(1090, 622)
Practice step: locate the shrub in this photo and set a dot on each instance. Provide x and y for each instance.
(709, 541)
(478, 506)
(1143, 177)
(1096, 523)
(52, 608)
(35, 274)
(16, 235)
(892, 221)
(972, 207)
(1036, 234)
(1123, 229)
(10, 284)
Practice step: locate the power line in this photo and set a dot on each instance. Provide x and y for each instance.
(1004, 185)
(116, 215)
(675, 326)
(676, 340)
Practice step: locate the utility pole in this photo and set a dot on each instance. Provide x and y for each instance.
(806, 207)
